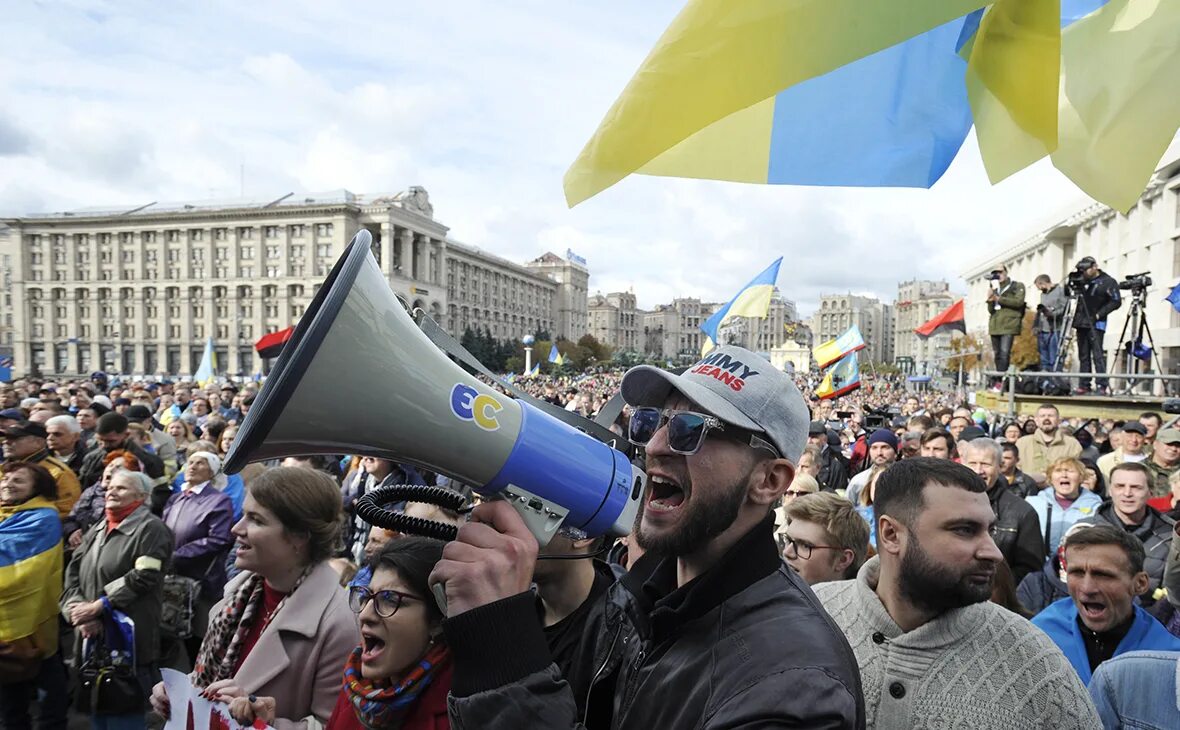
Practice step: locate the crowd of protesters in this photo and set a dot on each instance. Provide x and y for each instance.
(968, 570)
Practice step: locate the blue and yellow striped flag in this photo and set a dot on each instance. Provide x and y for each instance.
(753, 300)
(829, 352)
(30, 568)
(843, 377)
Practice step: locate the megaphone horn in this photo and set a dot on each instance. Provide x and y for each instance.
(358, 377)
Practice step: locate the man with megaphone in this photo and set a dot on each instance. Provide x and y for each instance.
(710, 628)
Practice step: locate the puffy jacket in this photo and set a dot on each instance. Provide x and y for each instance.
(1100, 296)
(746, 644)
(1156, 535)
(1038, 590)
(1016, 535)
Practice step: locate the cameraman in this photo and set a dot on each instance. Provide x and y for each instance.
(1099, 297)
(1048, 323)
(1005, 303)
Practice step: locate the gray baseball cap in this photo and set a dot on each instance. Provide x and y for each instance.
(736, 386)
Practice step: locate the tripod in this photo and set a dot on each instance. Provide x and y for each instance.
(1137, 322)
(1073, 301)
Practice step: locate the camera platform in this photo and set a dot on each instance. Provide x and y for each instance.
(1121, 407)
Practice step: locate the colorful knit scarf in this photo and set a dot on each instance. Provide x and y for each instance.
(228, 630)
(378, 704)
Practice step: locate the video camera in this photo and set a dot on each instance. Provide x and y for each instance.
(1076, 280)
(1136, 283)
(879, 417)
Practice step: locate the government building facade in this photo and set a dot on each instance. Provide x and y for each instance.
(139, 291)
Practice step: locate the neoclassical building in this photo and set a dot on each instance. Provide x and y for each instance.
(140, 290)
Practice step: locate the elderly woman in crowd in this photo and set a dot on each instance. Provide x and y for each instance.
(1063, 502)
(91, 506)
(284, 628)
(30, 551)
(200, 516)
(121, 563)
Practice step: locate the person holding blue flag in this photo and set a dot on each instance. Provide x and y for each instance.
(30, 582)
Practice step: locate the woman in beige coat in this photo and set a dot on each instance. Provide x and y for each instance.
(283, 629)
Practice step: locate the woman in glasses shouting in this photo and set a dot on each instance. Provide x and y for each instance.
(400, 674)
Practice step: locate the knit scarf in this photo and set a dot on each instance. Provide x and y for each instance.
(116, 515)
(378, 704)
(228, 630)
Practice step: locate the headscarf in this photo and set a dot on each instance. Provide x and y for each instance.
(213, 460)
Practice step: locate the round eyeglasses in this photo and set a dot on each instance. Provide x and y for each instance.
(802, 550)
(385, 603)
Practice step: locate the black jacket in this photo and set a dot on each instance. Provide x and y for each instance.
(1018, 532)
(1156, 535)
(833, 472)
(1100, 296)
(745, 645)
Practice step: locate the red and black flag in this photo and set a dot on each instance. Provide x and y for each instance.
(949, 320)
(271, 345)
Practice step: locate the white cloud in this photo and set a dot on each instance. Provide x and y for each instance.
(485, 104)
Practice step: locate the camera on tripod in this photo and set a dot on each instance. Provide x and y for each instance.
(1075, 281)
(1136, 283)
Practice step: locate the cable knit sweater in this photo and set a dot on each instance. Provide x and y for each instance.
(980, 666)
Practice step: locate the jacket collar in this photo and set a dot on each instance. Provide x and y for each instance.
(939, 632)
(652, 581)
(131, 521)
(301, 614)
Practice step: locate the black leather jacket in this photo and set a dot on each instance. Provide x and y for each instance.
(1018, 532)
(747, 644)
(1100, 296)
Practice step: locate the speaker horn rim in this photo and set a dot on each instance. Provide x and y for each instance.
(305, 341)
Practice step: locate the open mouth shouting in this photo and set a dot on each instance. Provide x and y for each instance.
(372, 646)
(1094, 613)
(663, 494)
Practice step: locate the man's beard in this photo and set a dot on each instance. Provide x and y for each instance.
(927, 584)
(704, 519)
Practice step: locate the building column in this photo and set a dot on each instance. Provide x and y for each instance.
(387, 249)
(404, 248)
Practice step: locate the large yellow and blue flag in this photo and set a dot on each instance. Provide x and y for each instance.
(884, 94)
(207, 370)
(753, 300)
(843, 377)
(30, 568)
(555, 357)
(829, 352)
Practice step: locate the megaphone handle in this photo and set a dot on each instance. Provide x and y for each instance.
(440, 596)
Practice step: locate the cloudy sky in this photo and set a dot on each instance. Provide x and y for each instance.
(484, 104)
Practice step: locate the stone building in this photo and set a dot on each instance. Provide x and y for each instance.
(139, 290)
(673, 331)
(1144, 239)
(614, 319)
(838, 312)
(918, 301)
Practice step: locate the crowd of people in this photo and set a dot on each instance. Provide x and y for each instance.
(887, 559)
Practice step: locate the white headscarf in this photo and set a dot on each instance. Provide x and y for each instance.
(210, 458)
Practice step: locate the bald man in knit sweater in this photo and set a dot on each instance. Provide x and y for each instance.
(933, 651)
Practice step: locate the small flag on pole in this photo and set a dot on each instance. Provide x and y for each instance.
(752, 301)
(843, 377)
(831, 351)
(1174, 298)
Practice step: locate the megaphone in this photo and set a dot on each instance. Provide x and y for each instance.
(359, 377)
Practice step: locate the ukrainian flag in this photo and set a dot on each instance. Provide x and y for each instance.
(844, 377)
(832, 350)
(207, 370)
(555, 356)
(30, 569)
(752, 301)
(880, 93)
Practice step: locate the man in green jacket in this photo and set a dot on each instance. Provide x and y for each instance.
(1005, 303)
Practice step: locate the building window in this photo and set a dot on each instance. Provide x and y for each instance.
(296, 252)
(219, 234)
(247, 252)
(171, 236)
(323, 250)
(149, 236)
(199, 331)
(298, 230)
(222, 331)
(323, 229)
(245, 234)
(273, 252)
(247, 272)
(197, 235)
(151, 331)
(271, 231)
(198, 254)
(174, 331)
(129, 330)
(272, 272)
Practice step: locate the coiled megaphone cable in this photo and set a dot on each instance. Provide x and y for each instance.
(371, 509)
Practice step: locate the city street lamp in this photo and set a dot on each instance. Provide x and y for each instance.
(528, 341)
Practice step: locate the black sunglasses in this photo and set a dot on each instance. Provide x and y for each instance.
(686, 430)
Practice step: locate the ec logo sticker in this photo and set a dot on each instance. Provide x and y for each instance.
(471, 405)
